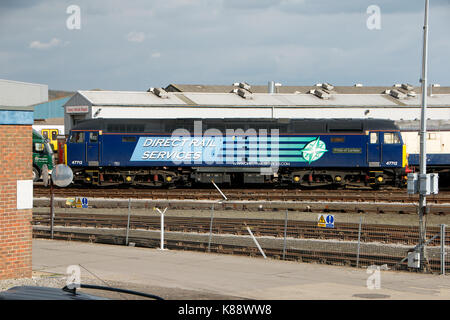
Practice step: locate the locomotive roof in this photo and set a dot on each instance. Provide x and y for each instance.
(285, 125)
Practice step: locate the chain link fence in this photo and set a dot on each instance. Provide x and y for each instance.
(337, 238)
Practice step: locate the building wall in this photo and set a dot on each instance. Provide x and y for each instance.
(169, 112)
(50, 109)
(16, 195)
(71, 118)
(15, 93)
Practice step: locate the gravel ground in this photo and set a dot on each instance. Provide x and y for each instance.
(369, 218)
(38, 279)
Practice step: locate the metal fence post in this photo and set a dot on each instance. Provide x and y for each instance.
(443, 249)
(52, 210)
(210, 228)
(285, 232)
(128, 222)
(162, 230)
(162, 226)
(359, 241)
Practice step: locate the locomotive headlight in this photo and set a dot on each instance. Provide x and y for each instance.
(338, 179)
(88, 179)
(380, 179)
(296, 178)
(128, 178)
(168, 179)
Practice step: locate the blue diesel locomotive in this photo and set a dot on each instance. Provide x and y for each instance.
(301, 152)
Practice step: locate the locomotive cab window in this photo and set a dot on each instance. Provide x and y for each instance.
(374, 137)
(93, 137)
(391, 138)
(77, 137)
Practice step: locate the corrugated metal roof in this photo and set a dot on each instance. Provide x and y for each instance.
(434, 100)
(296, 89)
(124, 98)
(131, 98)
(228, 89)
(264, 99)
(17, 108)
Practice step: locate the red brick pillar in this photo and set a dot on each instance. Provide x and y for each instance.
(15, 224)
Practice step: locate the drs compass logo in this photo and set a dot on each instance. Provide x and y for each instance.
(314, 150)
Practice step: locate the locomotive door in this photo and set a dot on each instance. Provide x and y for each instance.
(374, 149)
(92, 148)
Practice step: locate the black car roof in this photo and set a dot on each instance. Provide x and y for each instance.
(44, 293)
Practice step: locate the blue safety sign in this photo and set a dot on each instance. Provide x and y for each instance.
(330, 221)
(84, 203)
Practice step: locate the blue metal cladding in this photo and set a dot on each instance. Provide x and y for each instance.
(313, 150)
(16, 117)
(433, 159)
(50, 109)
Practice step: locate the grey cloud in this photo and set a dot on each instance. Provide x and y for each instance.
(17, 4)
(217, 42)
(317, 7)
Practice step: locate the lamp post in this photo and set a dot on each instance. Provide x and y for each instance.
(423, 140)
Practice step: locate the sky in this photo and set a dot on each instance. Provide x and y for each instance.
(138, 44)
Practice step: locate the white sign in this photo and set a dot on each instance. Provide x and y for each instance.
(24, 194)
(77, 109)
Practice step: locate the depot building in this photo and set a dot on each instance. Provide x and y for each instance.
(400, 102)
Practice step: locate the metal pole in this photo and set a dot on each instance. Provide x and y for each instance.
(210, 228)
(285, 233)
(423, 140)
(128, 222)
(162, 231)
(215, 185)
(52, 210)
(162, 226)
(443, 249)
(256, 242)
(359, 241)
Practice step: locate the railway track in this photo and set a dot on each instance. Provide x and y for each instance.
(406, 235)
(394, 195)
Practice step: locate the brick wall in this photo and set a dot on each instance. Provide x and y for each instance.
(15, 225)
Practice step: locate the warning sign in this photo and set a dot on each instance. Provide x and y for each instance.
(325, 221)
(81, 202)
(321, 221)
